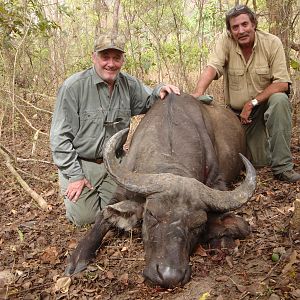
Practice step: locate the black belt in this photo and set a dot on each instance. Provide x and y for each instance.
(236, 111)
(95, 160)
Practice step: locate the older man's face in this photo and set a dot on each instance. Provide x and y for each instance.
(108, 64)
(242, 30)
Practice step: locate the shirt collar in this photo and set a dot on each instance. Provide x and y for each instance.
(255, 39)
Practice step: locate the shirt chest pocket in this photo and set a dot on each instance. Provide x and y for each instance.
(116, 121)
(263, 78)
(235, 79)
(91, 124)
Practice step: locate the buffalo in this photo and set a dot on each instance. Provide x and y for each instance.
(175, 179)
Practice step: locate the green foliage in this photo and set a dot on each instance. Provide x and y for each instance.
(79, 65)
(66, 10)
(18, 17)
(21, 235)
(166, 40)
(169, 35)
(213, 18)
(146, 61)
(295, 64)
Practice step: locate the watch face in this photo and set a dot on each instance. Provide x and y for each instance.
(254, 102)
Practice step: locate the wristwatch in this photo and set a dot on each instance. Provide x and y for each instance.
(254, 102)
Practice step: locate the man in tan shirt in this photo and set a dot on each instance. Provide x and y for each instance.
(256, 85)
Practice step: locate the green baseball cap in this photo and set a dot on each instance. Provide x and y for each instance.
(106, 41)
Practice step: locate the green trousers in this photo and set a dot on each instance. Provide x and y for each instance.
(92, 201)
(269, 134)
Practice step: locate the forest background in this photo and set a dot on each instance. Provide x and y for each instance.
(42, 42)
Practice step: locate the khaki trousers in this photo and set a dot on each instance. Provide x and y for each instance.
(92, 201)
(269, 135)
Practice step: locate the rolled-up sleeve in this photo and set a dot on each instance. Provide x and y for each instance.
(217, 58)
(65, 124)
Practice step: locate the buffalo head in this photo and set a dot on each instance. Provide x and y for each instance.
(174, 212)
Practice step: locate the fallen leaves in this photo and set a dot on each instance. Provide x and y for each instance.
(63, 284)
(205, 296)
(295, 220)
(72, 244)
(110, 275)
(200, 251)
(222, 278)
(50, 255)
(124, 278)
(34, 258)
(6, 278)
(292, 260)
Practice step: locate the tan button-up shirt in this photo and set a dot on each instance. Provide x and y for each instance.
(244, 80)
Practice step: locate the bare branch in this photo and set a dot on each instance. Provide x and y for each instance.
(115, 28)
(30, 104)
(35, 160)
(35, 196)
(7, 151)
(35, 177)
(28, 122)
(13, 85)
(295, 46)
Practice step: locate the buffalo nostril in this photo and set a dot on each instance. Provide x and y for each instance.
(159, 273)
(170, 277)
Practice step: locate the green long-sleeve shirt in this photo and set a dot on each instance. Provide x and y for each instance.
(86, 116)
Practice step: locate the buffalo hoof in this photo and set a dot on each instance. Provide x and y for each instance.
(78, 262)
(72, 269)
(225, 242)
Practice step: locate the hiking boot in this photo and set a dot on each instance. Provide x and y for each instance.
(288, 176)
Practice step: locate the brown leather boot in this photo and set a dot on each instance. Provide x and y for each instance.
(288, 176)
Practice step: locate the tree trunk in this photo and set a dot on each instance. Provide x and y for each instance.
(280, 21)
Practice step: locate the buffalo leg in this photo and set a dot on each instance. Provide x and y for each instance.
(223, 229)
(87, 247)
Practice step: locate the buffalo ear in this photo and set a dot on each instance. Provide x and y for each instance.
(197, 218)
(124, 214)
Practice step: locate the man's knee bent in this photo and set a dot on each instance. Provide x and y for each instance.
(81, 219)
(279, 110)
(80, 215)
(279, 99)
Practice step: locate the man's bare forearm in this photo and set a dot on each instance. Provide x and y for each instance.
(275, 87)
(206, 77)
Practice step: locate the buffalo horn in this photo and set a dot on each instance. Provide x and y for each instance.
(166, 183)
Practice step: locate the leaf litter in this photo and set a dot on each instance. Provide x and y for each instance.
(34, 247)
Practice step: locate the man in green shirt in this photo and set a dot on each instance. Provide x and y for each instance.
(91, 106)
(256, 85)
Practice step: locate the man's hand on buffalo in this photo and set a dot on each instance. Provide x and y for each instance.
(75, 188)
(206, 99)
(168, 89)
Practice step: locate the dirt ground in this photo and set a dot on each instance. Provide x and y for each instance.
(35, 244)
